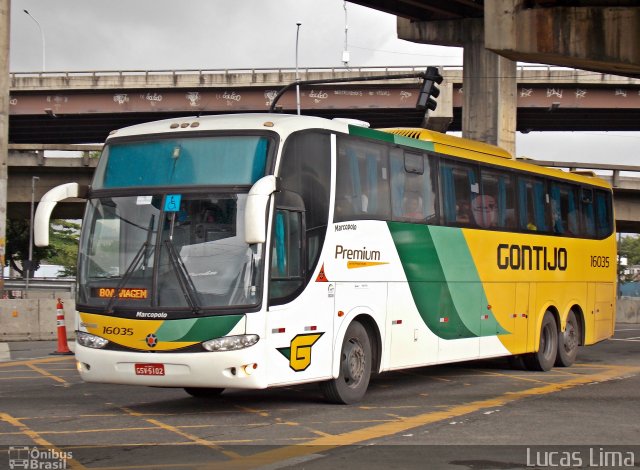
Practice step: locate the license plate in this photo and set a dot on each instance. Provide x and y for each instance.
(149, 369)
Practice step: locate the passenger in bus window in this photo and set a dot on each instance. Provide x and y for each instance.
(413, 207)
(485, 211)
(463, 212)
(530, 223)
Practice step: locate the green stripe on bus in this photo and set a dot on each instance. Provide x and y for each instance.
(444, 281)
(371, 133)
(197, 329)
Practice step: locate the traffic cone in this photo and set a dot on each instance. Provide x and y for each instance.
(63, 347)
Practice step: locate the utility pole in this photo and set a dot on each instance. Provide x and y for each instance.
(4, 128)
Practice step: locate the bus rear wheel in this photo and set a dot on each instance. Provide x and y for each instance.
(568, 342)
(200, 392)
(545, 357)
(355, 367)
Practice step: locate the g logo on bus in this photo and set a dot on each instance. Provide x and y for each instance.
(299, 353)
(151, 340)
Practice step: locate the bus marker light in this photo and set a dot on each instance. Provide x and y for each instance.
(174, 125)
(484, 317)
(195, 124)
(310, 328)
(249, 368)
(340, 313)
(268, 124)
(444, 320)
(184, 124)
(396, 322)
(278, 330)
(488, 307)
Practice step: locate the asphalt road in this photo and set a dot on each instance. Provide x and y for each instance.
(480, 415)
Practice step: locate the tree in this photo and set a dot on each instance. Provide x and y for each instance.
(62, 249)
(65, 235)
(629, 247)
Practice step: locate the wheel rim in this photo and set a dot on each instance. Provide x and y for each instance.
(353, 363)
(570, 337)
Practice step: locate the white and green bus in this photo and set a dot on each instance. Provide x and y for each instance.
(263, 250)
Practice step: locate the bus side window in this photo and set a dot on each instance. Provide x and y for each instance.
(588, 216)
(604, 225)
(460, 187)
(362, 186)
(564, 214)
(286, 260)
(496, 206)
(532, 204)
(412, 186)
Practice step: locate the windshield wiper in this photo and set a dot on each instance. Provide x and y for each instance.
(127, 274)
(184, 279)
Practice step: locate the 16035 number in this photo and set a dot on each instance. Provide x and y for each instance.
(599, 261)
(115, 330)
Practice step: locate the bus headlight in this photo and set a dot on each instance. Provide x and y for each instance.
(230, 343)
(90, 341)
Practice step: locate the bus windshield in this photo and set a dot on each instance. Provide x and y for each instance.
(180, 251)
(214, 160)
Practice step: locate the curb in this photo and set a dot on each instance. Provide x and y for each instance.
(5, 354)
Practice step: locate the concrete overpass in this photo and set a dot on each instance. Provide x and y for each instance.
(597, 35)
(76, 107)
(26, 161)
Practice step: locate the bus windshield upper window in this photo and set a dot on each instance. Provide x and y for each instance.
(222, 160)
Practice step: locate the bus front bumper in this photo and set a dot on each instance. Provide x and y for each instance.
(243, 368)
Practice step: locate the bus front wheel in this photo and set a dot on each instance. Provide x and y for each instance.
(355, 367)
(545, 357)
(568, 342)
(200, 392)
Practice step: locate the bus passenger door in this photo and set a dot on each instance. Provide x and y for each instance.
(300, 315)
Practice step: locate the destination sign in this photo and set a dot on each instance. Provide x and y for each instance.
(133, 293)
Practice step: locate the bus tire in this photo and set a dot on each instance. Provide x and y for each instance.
(201, 392)
(355, 367)
(545, 357)
(568, 342)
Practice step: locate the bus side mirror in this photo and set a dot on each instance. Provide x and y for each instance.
(46, 205)
(255, 213)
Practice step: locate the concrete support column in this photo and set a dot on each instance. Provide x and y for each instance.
(489, 90)
(4, 125)
(489, 80)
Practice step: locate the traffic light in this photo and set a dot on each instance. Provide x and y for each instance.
(429, 91)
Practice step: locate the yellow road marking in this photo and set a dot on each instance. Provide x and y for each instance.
(358, 436)
(23, 378)
(246, 409)
(516, 377)
(35, 437)
(186, 435)
(48, 374)
(43, 360)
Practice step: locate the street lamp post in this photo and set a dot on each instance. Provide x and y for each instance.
(297, 76)
(44, 69)
(29, 264)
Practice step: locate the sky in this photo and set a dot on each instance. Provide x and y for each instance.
(90, 35)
